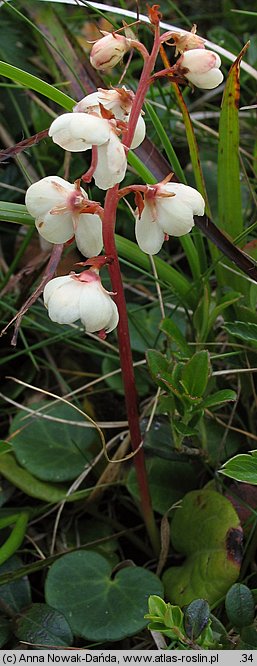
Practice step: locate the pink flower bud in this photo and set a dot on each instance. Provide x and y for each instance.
(201, 68)
(109, 50)
(73, 297)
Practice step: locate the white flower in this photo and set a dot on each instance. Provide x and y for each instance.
(77, 132)
(72, 297)
(109, 50)
(56, 206)
(111, 163)
(168, 209)
(80, 131)
(117, 100)
(201, 68)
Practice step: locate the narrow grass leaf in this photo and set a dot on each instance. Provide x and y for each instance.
(34, 83)
(229, 186)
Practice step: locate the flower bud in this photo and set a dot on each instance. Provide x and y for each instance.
(73, 297)
(57, 208)
(201, 68)
(168, 209)
(109, 50)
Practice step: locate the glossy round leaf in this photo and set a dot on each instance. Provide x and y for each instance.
(42, 625)
(240, 606)
(52, 450)
(98, 606)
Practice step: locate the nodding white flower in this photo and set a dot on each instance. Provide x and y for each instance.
(109, 50)
(57, 207)
(117, 100)
(72, 297)
(201, 68)
(80, 131)
(77, 132)
(168, 210)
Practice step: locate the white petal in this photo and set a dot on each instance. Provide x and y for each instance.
(207, 81)
(175, 218)
(139, 134)
(88, 235)
(45, 194)
(63, 301)
(149, 235)
(90, 102)
(200, 60)
(114, 319)
(96, 308)
(55, 228)
(92, 129)
(111, 165)
(77, 132)
(54, 284)
(185, 193)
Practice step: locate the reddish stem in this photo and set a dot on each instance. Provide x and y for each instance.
(109, 220)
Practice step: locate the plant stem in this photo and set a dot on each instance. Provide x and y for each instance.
(131, 398)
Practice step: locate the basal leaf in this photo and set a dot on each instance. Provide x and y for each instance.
(42, 625)
(206, 530)
(52, 450)
(98, 606)
(168, 481)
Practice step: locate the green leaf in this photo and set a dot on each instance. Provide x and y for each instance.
(248, 638)
(158, 365)
(176, 281)
(165, 142)
(156, 607)
(218, 398)
(98, 606)
(196, 618)
(168, 481)
(115, 381)
(26, 482)
(240, 606)
(171, 329)
(42, 625)
(201, 316)
(15, 213)
(52, 450)
(5, 631)
(242, 467)
(206, 530)
(15, 595)
(195, 374)
(34, 83)
(246, 331)
(229, 186)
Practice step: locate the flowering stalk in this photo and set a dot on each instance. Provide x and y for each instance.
(109, 219)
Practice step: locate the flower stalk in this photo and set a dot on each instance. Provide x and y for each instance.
(109, 220)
